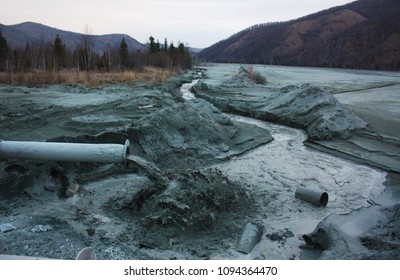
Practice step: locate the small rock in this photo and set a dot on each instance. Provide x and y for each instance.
(41, 228)
(7, 227)
(281, 235)
(90, 231)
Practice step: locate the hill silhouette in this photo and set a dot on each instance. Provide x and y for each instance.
(364, 34)
(35, 33)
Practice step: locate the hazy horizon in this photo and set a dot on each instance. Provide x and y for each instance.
(196, 23)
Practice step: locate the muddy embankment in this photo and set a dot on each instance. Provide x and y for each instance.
(168, 203)
(197, 176)
(306, 106)
(347, 130)
(355, 131)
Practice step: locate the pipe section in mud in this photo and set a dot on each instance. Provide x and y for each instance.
(52, 151)
(317, 198)
(251, 235)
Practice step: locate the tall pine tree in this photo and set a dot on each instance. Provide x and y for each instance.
(59, 53)
(124, 53)
(3, 52)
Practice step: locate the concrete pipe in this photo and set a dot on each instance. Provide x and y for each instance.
(317, 198)
(51, 151)
(251, 235)
(86, 254)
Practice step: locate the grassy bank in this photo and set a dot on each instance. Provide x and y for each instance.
(90, 79)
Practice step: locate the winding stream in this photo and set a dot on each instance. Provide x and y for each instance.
(272, 173)
(185, 89)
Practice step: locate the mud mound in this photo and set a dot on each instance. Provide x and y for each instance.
(244, 78)
(378, 238)
(195, 202)
(112, 204)
(196, 199)
(307, 107)
(193, 131)
(186, 135)
(313, 109)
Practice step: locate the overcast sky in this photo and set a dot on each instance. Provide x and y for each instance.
(198, 23)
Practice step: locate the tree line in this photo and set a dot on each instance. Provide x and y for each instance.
(55, 56)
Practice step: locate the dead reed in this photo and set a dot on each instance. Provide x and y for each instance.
(256, 76)
(38, 78)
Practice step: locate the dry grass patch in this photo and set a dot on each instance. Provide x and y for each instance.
(90, 79)
(255, 76)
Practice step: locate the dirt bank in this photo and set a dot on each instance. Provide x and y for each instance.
(379, 143)
(308, 107)
(352, 115)
(197, 176)
(169, 204)
(358, 124)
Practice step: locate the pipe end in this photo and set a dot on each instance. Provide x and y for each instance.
(324, 199)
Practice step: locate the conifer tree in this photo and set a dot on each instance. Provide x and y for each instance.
(3, 51)
(153, 46)
(165, 44)
(59, 52)
(124, 53)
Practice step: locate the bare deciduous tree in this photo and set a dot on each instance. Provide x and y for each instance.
(86, 49)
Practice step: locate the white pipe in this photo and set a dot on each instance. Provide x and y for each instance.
(51, 151)
(318, 198)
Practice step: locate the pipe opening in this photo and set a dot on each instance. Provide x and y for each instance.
(324, 199)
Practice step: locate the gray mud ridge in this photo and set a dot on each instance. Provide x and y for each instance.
(355, 132)
(194, 132)
(311, 108)
(167, 206)
(183, 136)
(369, 233)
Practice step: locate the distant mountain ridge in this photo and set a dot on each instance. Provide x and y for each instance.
(364, 34)
(19, 35)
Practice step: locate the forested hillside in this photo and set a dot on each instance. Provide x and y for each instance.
(32, 33)
(364, 34)
(33, 46)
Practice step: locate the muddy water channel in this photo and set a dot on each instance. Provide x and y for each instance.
(274, 171)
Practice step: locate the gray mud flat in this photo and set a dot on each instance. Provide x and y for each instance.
(350, 114)
(167, 203)
(307, 106)
(196, 176)
(273, 172)
(378, 144)
(353, 114)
